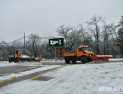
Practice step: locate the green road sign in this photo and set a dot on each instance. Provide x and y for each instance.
(56, 42)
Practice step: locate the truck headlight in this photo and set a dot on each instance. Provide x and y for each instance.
(90, 55)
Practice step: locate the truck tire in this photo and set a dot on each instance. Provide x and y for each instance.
(10, 60)
(16, 60)
(67, 60)
(84, 59)
(73, 61)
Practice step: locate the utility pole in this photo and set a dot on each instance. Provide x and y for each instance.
(24, 40)
(55, 54)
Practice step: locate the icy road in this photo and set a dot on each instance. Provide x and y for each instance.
(105, 78)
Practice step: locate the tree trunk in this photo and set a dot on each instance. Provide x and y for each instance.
(121, 49)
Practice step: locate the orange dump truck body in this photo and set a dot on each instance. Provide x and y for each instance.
(69, 54)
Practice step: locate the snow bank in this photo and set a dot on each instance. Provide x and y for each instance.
(6, 63)
(116, 59)
(52, 60)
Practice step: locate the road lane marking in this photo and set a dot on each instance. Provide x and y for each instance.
(24, 80)
(25, 75)
(43, 74)
(11, 79)
(65, 64)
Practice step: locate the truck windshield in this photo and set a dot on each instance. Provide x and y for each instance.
(87, 49)
(23, 52)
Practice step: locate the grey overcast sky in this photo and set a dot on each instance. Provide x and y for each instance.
(44, 16)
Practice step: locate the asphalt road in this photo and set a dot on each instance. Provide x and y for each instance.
(33, 76)
(16, 69)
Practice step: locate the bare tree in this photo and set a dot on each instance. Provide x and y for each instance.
(120, 40)
(85, 37)
(120, 35)
(8, 49)
(96, 30)
(82, 31)
(105, 40)
(112, 29)
(7, 45)
(65, 31)
(73, 35)
(33, 44)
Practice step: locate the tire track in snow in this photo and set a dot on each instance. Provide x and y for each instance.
(56, 82)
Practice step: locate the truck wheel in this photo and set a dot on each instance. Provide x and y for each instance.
(74, 61)
(67, 60)
(16, 60)
(10, 60)
(84, 60)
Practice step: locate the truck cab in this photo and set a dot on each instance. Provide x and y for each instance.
(23, 54)
(84, 50)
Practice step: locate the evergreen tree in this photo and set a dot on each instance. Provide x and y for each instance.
(120, 36)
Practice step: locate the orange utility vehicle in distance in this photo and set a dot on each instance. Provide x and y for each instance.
(22, 55)
(83, 53)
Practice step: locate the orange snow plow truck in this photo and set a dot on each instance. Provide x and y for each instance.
(22, 55)
(84, 54)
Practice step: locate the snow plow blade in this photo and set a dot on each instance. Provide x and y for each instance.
(26, 59)
(101, 57)
(30, 59)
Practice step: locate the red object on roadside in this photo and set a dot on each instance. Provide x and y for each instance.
(38, 59)
(60, 51)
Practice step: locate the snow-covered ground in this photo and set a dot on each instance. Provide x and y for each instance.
(116, 59)
(105, 78)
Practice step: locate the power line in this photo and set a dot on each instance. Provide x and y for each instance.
(16, 40)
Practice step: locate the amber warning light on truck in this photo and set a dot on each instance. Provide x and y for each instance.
(56, 42)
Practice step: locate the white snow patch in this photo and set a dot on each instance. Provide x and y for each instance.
(6, 63)
(31, 63)
(116, 59)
